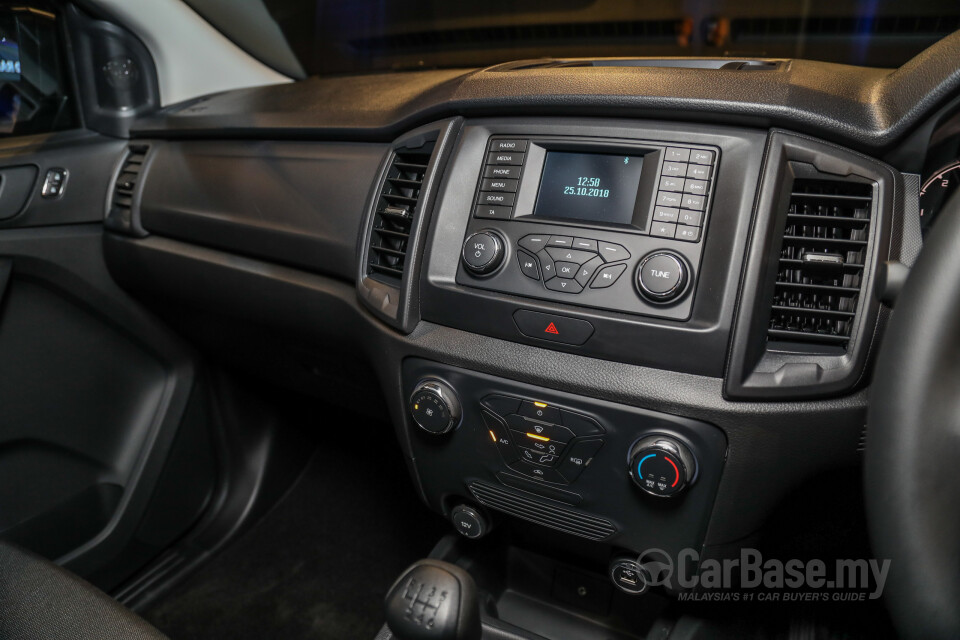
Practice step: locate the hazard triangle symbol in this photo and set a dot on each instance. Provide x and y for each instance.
(551, 328)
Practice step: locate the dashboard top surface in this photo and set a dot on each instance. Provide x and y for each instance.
(861, 107)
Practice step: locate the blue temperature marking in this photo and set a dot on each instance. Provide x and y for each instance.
(640, 464)
(627, 161)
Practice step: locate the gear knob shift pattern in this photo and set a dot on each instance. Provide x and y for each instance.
(434, 600)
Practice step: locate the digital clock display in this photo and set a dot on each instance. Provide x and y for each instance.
(592, 187)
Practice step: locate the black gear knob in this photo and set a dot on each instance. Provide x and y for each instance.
(434, 600)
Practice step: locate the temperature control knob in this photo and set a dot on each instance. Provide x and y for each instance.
(483, 252)
(662, 466)
(435, 407)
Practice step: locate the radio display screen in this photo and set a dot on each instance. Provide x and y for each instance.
(590, 187)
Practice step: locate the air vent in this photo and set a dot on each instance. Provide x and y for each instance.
(542, 513)
(395, 212)
(120, 216)
(821, 267)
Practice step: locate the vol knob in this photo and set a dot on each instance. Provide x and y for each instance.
(483, 252)
(434, 406)
(661, 466)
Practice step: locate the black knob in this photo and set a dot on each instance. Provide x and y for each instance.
(434, 600)
(662, 277)
(662, 466)
(483, 252)
(435, 407)
(469, 522)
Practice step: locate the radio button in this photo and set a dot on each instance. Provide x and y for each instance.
(528, 265)
(567, 269)
(585, 244)
(678, 169)
(676, 154)
(691, 218)
(502, 171)
(607, 276)
(533, 244)
(499, 184)
(546, 265)
(505, 157)
(612, 252)
(570, 255)
(586, 271)
(663, 229)
(560, 241)
(492, 212)
(508, 145)
(564, 286)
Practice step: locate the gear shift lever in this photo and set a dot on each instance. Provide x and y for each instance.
(434, 600)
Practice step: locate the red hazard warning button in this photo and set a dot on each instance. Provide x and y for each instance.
(547, 326)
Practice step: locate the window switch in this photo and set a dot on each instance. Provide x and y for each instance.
(54, 183)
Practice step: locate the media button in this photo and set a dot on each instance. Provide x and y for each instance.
(693, 202)
(528, 265)
(665, 214)
(548, 326)
(688, 234)
(546, 265)
(696, 187)
(698, 172)
(607, 276)
(505, 157)
(560, 241)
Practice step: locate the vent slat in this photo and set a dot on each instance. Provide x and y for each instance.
(821, 263)
(125, 186)
(395, 212)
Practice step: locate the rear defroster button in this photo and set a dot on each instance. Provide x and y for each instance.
(547, 326)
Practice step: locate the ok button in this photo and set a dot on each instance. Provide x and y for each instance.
(662, 277)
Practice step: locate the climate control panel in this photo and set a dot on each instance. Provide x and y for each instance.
(622, 475)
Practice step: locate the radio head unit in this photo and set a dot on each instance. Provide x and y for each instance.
(604, 223)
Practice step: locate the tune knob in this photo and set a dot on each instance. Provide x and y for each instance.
(662, 277)
(435, 407)
(662, 466)
(483, 252)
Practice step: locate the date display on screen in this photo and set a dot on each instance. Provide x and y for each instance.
(592, 187)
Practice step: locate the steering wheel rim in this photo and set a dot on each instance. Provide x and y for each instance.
(912, 459)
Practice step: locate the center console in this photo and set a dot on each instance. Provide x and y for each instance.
(612, 239)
